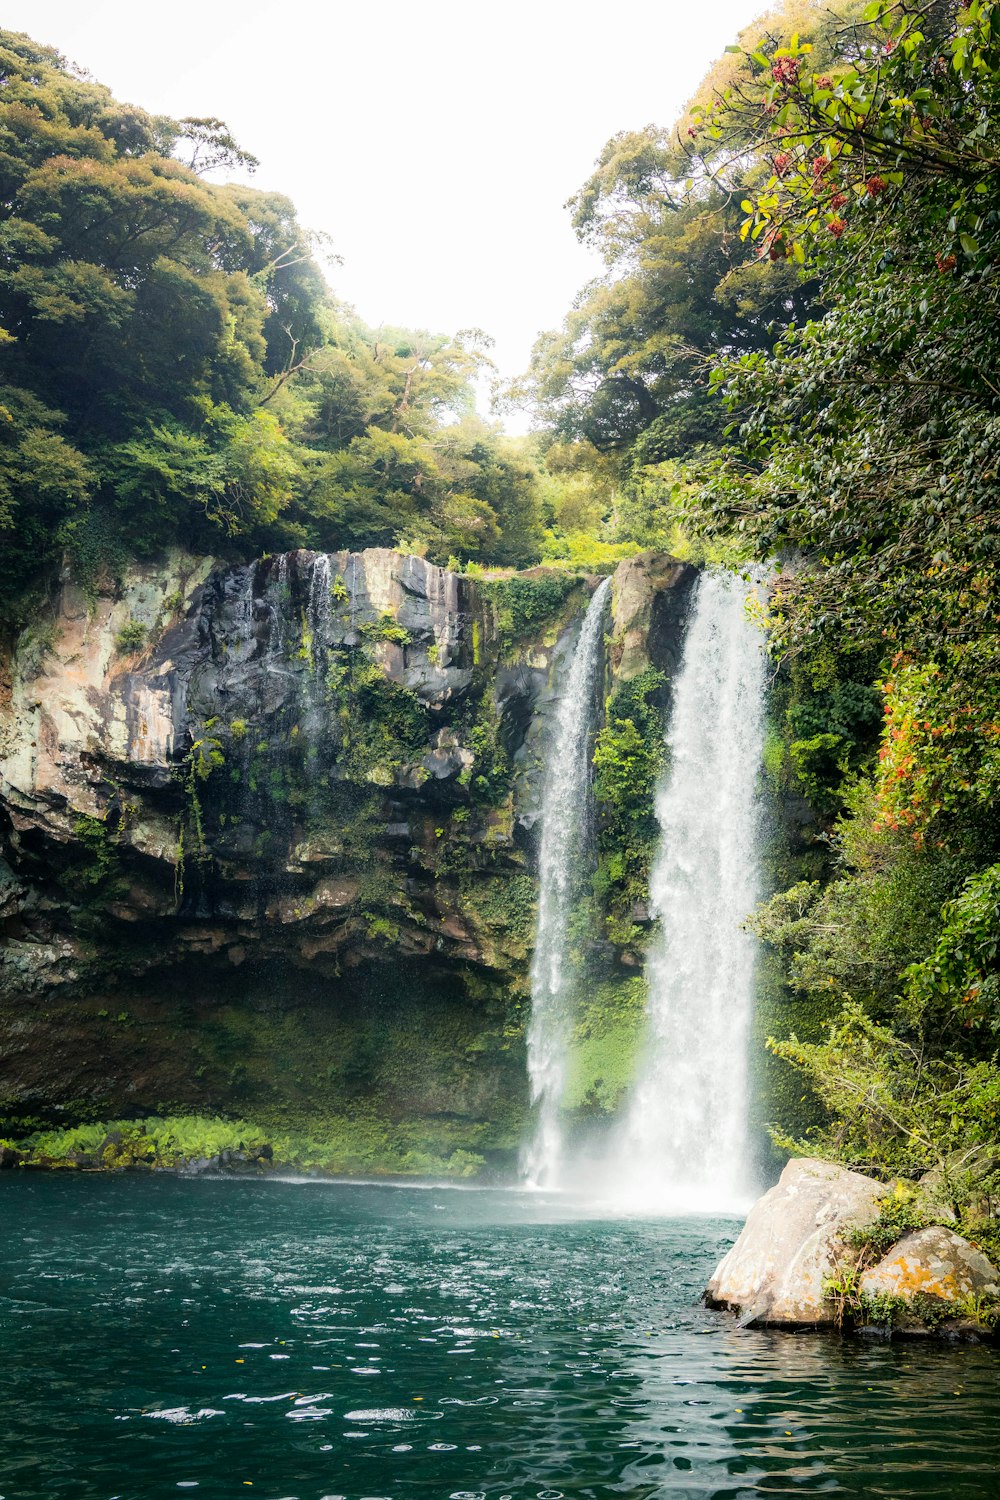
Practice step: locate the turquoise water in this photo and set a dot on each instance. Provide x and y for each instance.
(226, 1338)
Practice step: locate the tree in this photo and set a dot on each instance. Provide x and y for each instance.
(177, 369)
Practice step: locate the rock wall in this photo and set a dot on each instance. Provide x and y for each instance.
(267, 835)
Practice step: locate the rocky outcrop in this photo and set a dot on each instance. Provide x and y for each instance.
(932, 1262)
(800, 1263)
(266, 834)
(792, 1245)
(223, 741)
(649, 597)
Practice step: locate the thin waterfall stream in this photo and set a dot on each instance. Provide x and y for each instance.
(562, 871)
(683, 1144)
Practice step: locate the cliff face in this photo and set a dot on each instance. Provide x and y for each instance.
(267, 837)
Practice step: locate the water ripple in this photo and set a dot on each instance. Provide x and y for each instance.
(552, 1356)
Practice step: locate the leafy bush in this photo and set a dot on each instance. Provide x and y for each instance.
(893, 1110)
(131, 637)
(521, 604)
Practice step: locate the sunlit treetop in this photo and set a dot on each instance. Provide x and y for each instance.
(901, 103)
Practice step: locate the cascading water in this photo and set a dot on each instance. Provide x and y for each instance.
(246, 610)
(562, 870)
(683, 1144)
(319, 606)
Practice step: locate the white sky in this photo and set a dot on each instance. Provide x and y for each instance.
(435, 141)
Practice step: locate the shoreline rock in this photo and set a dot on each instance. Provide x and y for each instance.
(796, 1264)
(791, 1244)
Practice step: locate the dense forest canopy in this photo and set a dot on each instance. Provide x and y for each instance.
(175, 367)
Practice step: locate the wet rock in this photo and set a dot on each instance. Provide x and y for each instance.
(932, 1262)
(792, 1243)
(197, 1166)
(648, 599)
(227, 806)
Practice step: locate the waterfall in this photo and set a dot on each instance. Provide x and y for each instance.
(319, 607)
(246, 609)
(562, 872)
(684, 1140)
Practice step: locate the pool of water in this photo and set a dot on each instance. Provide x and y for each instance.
(226, 1338)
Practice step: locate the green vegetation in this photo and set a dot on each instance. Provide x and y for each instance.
(901, 1212)
(604, 1047)
(381, 724)
(96, 877)
(174, 367)
(340, 1145)
(865, 442)
(629, 758)
(131, 637)
(794, 355)
(505, 901)
(522, 604)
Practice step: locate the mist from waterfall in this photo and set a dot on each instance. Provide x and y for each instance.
(563, 873)
(683, 1144)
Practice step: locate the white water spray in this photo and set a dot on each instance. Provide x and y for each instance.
(684, 1140)
(562, 868)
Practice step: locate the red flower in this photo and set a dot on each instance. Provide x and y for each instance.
(820, 165)
(945, 263)
(774, 246)
(838, 200)
(691, 130)
(837, 227)
(822, 82)
(785, 69)
(875, 185)
(782, 161)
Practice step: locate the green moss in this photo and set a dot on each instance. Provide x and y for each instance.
(337, 1144)
(381, 724)
(604, 1047)
(95, 875)
(490, 776)
(385, 628)
(898, 1214)
(506, 900)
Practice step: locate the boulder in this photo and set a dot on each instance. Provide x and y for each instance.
(792, 1243)
(932, 1262)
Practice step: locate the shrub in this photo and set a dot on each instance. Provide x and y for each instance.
(131, 636)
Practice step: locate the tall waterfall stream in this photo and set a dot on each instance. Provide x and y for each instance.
(682, 1141)
(562, 870)
(683, 1144)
